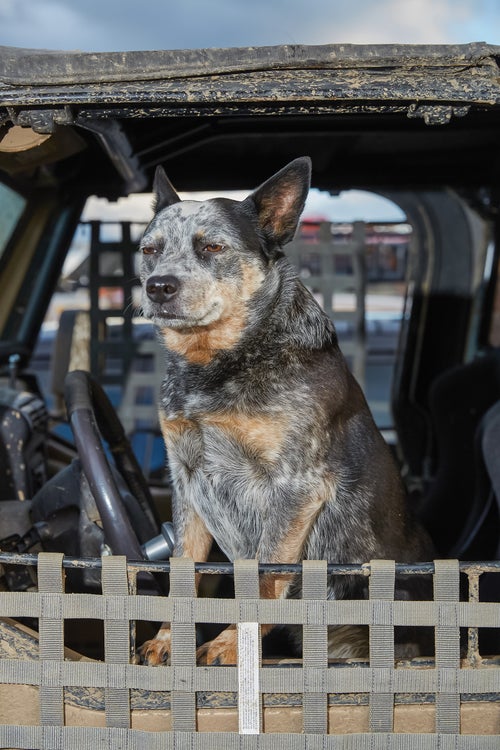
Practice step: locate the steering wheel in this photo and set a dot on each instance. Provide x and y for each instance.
(129, 518)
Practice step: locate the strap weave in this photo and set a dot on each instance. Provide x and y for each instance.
(382, 581)
(183, 634)
(116, 678)
(446, 594)
(246, 588)
(315, 650)
(91, 738)
(116, 640)
(276, 611)
(51, 634)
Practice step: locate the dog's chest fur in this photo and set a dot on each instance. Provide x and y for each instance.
(238, 464)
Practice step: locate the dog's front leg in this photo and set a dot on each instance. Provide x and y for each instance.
(277, 545)
(194, 542)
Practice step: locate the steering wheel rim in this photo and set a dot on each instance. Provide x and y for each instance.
(91, 417)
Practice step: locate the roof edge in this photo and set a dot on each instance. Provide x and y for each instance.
(32, 67)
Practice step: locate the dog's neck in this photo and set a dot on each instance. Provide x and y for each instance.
(294, 314)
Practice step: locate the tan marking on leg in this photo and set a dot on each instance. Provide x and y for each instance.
(197, 542)
(172, 429)
(157, 650)
(290, 549)
(292, 545)
(222, 650)
(197, 539)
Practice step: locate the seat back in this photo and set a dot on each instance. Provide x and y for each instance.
(459, 490)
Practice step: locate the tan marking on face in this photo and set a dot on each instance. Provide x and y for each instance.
(261, 434)
(199, 344)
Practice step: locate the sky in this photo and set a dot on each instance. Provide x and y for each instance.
(110, 25)
(113, 25)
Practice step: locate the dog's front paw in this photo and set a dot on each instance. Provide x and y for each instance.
(222, 650)
(157, 650)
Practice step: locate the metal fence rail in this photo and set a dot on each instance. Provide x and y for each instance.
(52, 698)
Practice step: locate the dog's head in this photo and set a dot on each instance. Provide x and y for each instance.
(202, 262)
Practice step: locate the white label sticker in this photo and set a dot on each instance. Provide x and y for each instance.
(248, 678)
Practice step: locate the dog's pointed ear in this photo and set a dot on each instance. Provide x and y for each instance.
(164, 192)
(280, 201)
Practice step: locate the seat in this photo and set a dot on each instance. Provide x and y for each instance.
(480, 537)
(458, 500)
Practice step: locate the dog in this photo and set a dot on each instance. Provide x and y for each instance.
(272, 449)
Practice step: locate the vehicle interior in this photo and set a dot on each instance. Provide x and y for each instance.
(417, 126)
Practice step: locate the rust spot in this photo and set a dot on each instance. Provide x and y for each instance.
(200, 344)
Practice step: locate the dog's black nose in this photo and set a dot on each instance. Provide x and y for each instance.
(162, 288)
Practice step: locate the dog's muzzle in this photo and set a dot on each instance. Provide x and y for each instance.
(161, 289)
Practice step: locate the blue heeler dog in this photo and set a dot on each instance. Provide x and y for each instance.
(271, 446)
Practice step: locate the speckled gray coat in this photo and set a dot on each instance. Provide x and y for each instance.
(272, 448)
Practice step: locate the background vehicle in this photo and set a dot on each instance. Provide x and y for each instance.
(418, 125)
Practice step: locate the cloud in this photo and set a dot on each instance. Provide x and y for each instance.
(409, 22)
(50, 24)
(97, 25)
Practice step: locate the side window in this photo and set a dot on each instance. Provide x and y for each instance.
(64, 339)
(93, 324)
(12, 205)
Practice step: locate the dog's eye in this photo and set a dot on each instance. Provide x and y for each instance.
(213, 248)
(149, 249)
